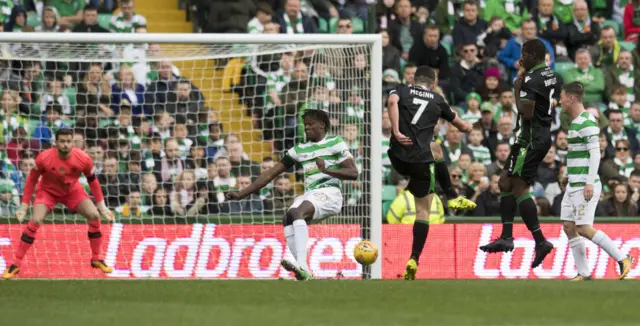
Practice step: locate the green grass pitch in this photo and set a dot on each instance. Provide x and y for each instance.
(283, 303)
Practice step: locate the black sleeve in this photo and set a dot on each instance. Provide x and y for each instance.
(445, 111)
(288, 161)
(533, 85)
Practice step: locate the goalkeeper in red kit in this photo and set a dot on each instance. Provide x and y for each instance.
(56, 175)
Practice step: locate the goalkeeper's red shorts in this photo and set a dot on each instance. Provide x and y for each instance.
(72, 199)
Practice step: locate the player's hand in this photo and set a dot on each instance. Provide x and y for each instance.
(521, 70)
(105, 212)
(22, 212)
(233, 195)
(588, 192)
(402, 139)
(321, 164)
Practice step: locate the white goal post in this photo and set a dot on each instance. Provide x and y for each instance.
(227, 46)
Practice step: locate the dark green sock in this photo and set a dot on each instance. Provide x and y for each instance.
(529, 213)
(420, 232)
(507, 213)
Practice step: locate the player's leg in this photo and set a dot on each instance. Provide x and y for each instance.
(507, 214)
(443, 178)
(576, 243)
(300, 212)
(603, 241)
(88, 210)
(38, 214)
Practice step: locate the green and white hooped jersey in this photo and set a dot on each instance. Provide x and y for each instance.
(119, 25)
(584, 135)
(332, 149)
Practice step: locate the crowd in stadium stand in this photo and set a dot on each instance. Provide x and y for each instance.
(159, 150)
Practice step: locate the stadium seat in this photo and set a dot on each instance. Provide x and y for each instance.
(563, 67)
(629, 46)
(323, 26)
(613, 24)
(232, 73)
(104, 20)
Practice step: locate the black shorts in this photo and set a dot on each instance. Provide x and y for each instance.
(421, 176)
(523, 161)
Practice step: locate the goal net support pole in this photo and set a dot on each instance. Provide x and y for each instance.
(372, 226)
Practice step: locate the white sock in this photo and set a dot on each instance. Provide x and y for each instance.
(301, 236)
(291, 241)
(579, 251)
(603, 240)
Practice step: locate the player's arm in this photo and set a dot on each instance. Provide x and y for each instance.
(96, 190)
(525, 103)
(448, 114)
(263, 179)
(394, 116)
(348, 169)
(591, 133)
(29, 187)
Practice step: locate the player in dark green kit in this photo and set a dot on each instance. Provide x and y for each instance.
(535, 88)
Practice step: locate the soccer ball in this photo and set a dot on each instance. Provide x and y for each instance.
(365, 252)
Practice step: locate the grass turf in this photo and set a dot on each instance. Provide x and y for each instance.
(433, 302)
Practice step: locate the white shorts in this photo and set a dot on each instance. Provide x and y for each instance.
(576, 209)
(326, 201)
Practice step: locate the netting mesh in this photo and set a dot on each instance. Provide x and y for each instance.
(170, 129)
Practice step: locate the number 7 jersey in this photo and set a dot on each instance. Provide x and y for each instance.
(539, 85)
(419, 110)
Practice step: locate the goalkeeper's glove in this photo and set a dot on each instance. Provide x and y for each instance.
(105, 212)
(22, 212)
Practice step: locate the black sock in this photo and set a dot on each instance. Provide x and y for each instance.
(420, 231)
(443, 178)
(507, 213)
(529, 213)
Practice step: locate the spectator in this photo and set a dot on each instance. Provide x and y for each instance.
(196, 161)
(54, 94)
(31, 87)
(551, 28)
(510, 55)
(86, 21)
(115, 186)
(184, 143)
(390, 54)
(505, 130)
(162, 124)
(431, 53)
(489, 127)
(134, 168)
(49, 23)
(239, 164)
(543, 205)
(464, 162)
(548, 169)
(618, 97)
(20, 177)
(494, 38)
(182, 105)
(161, 205)
(159, 91)
(231, 138)
(607, 169)
(390, 80)
(148, 188)
(229, 16)
(293, 21)
(405, 32)
(263, 17)
(249, 205)
(480, 153)
(591, 78)
(17, 21)
(267, 163)
(625, 74)
(620, 204)
(473, 108)
(409, 73)
(281, 198)
(489, 200)
(455, 173)
(224, 181)
(9, 117)
(617, 131)
(133, 207)
(634, 186)
(514, 13)
(126, 21)
(215, 141)
(466, 75)
(19, 143)
(467, 29)
(95, 89)
(127, 88)
(605, 53)
(478, 181)
(502, 154)
(9, 198)
(633, 122)
(402, 210)
(561, 145)
(146, 71)
(185, 200)
(630, 21)
(506, 107)
(623, 159)
(492, 86)
(582, 32)
(45, 131)
(453, 146)
(171, 164)
(96, 152)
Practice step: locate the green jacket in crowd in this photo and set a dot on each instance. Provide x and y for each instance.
(592, 79)
(563, 11)
(513, 12)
